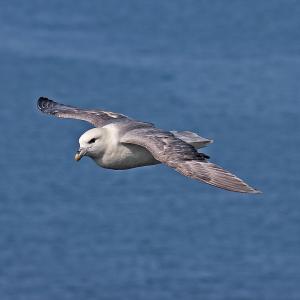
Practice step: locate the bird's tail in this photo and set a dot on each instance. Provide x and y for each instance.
(192, 138)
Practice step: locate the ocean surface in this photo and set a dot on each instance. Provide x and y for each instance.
(229, 70)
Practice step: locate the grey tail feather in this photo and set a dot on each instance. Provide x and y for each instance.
(192, 138)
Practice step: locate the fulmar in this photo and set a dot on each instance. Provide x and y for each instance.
(119, 142)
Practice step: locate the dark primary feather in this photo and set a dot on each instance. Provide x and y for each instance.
(184, 158)
(97, 117)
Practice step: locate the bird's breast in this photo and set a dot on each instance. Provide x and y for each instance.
(120, 157)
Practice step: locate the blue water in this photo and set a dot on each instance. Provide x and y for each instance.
(228, 70)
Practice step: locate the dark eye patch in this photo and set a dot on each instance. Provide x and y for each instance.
(93, 140)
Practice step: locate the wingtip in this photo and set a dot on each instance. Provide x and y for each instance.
(249, 190)
(256, 191)
(224, 179)
(44, 103)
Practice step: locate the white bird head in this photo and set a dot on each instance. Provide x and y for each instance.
(91, 143)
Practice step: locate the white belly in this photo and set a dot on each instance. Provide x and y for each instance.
(122, 157)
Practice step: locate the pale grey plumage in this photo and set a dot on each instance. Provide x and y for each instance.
(128, 143)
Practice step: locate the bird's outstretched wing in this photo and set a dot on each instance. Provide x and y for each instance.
(184, 158)
(98, 118)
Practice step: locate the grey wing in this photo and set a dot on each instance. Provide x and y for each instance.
(185, 159)
(98, 118)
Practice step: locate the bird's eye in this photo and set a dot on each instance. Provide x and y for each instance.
(93, 140)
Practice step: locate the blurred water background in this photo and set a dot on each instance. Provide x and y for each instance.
(228, 70)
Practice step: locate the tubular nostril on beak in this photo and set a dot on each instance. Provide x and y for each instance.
(79, 154)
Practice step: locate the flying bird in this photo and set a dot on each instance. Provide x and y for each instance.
(119, 142)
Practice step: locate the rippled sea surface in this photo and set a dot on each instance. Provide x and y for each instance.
(228, 70)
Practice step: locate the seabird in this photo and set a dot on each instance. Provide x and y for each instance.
(118, 142)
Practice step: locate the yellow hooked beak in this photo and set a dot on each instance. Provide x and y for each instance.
(79, 154)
